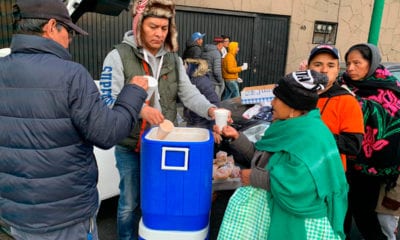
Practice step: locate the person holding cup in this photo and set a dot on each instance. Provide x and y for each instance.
(150, 48)
(51, 119)
(290, 182)
(230, 72)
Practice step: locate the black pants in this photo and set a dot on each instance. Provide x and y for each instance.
(363, 197)
(348, 221)
(217, 212)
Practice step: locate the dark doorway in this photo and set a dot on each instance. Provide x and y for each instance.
(263, 39)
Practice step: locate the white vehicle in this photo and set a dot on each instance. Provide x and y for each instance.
(108, 173)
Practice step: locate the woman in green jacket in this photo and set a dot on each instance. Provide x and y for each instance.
(296, 188)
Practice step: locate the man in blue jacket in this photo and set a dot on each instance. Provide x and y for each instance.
(51, 116)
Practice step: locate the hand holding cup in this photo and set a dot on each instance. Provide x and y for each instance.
(245, 66)
(140, 81)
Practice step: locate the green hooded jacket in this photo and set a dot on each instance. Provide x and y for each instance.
(306, 176)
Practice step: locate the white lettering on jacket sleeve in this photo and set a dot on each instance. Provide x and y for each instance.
(105, 86)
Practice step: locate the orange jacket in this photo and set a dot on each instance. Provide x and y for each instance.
(342, 113)
(230, 69)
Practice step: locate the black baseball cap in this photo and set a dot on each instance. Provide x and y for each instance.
(47, 9)
(324, 48)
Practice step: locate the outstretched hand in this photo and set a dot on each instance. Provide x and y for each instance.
(230, 132)
(227, 131)
(152, 115)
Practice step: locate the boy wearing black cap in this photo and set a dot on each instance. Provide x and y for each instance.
(339, 108)
(50, 119)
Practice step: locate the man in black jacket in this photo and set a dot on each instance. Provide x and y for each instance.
(51, 116)
(194, 46)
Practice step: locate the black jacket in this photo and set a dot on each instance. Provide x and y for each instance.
(192, 50)
(51, 115)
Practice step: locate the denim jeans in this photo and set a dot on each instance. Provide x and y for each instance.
(231, 89)
(128, 213)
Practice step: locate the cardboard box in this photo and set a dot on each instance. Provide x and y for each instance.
(257, 94)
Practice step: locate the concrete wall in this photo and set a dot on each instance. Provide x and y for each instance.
(353, 18)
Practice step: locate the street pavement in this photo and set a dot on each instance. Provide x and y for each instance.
(107, 223)
(107, 219)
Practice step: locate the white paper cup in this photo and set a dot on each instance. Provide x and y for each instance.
(153, 84)
(221, 117)
(164, 129)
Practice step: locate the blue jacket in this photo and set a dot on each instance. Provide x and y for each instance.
(51, 115)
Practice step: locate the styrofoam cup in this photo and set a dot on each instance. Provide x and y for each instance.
(153, 83)
(164, 129)
(221, 117)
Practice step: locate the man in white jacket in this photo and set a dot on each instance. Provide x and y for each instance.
(149, 49)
